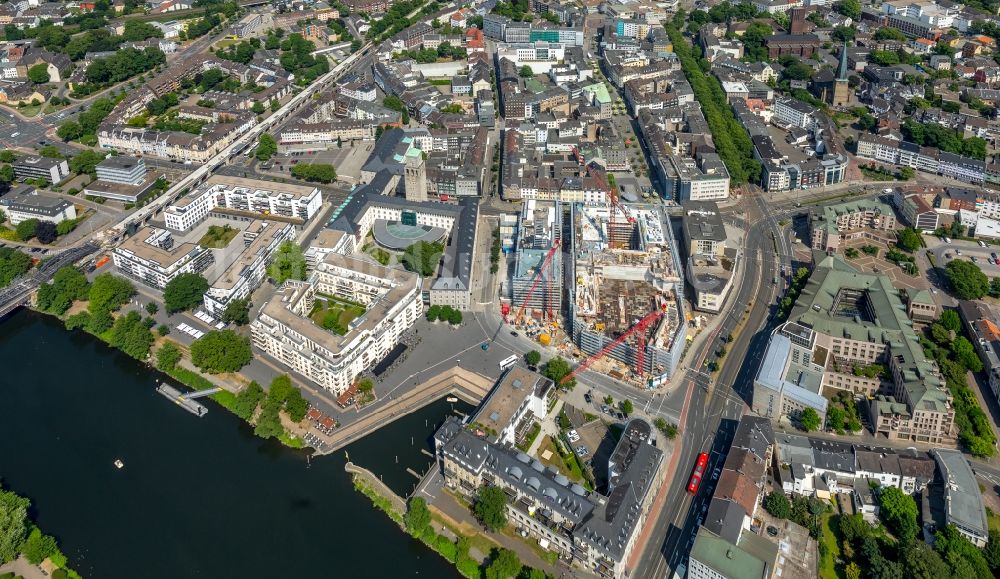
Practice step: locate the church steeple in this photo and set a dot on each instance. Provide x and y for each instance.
(842, 69)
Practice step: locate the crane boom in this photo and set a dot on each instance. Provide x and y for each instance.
(538, 280)
(638, 327)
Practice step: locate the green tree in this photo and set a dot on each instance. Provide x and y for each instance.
(289, 263)
(899, 511)
(668, 430)
(908, 239)
(965, 559)
(418, 517)
(922, 562)
(247, 400)
(220, 351)
(504, 565)
(422, 257)
(778, 505)
(533, 357)
(269, 421)
(152, 308)
(853, 528)
(25, 230)
(13, 263)
(889, 33)
(992, 550)
(39, 74)
(317, 172)
(266, 146)
(556, 370)
(109, 292)
(296, 406)
(966, 355)
(100, 321)
(526, 72)
(13, 524)
(491, 507)
(185, 292)
(69, 131)
(850, 8)
(39, 547)
(130, 335)
(809, 420)
(237, 312)
(168, 356)
(968, 281)
(627, 407)
(951, 321)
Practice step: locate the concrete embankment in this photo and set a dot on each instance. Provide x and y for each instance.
(468, 386)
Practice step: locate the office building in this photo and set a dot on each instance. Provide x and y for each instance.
(25, 203)
(52, 170)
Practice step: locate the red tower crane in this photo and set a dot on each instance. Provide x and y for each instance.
(641, 325)
(538, 279)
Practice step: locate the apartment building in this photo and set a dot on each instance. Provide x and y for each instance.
(260, 240)
(864, 219)
(283, 330)
(152, 257)
(239, 196)
(596, 532)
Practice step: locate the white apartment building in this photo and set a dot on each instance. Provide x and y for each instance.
(151, 257)
(25, 203)
(244, 196)
(283, 330)
(794, 112)
(246, 274)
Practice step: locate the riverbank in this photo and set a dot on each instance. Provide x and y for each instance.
(197, 497)
(24, 549)
(473, 554)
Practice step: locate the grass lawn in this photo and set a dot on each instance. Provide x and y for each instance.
(335, 315)
(29, 110)
(570, 468)
(994, 520)
(225, 43)
(218, 237)
(827, 564)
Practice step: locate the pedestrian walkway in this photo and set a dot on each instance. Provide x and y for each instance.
(469, 386)
(457, 516)
(22, 567)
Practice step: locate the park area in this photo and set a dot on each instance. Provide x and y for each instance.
(218, 236)
(335, 314)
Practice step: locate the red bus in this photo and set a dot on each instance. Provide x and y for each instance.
(699, 471)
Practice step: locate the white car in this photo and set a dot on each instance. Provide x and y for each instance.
(573, 435)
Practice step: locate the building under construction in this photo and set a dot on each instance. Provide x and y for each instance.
(626, 267)
(537, 283)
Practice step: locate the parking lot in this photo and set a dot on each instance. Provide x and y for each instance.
(964, 249)
(347, 160)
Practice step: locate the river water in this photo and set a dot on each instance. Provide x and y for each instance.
(198, 497)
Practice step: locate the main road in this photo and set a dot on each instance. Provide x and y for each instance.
(715, 406)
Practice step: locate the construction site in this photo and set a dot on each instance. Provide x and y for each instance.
(536, 285)
(625, 292)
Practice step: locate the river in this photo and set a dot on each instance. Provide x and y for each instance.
(198, 497)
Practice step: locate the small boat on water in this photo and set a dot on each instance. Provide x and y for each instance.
(119, 464)
(451, 399)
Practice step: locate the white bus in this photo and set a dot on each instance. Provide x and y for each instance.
(508, 362)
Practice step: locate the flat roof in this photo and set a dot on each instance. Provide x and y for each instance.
(506, 397)
(963, 501)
